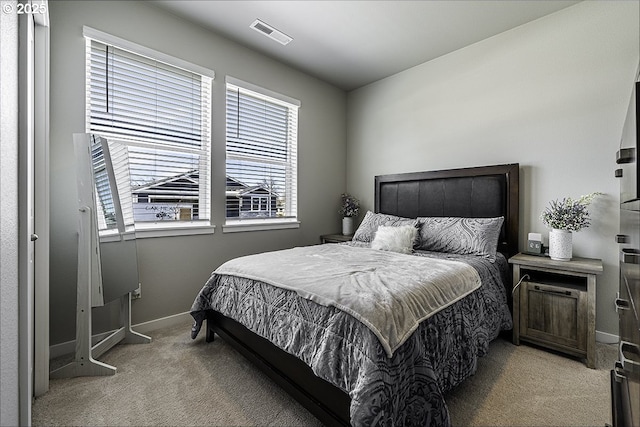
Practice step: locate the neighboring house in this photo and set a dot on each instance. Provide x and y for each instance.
(245, 201)
(172, 198)
(176, 198)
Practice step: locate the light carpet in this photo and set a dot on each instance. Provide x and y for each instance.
(174, 381)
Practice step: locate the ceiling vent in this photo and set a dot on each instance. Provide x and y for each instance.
(270, 32)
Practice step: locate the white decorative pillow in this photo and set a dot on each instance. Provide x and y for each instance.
(371, 221)
(395, 239)
(467, 236)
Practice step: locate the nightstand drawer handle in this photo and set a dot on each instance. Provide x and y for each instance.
(552, 291)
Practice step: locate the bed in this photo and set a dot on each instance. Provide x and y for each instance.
(331, 357)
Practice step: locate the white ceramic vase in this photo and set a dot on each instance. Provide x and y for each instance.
(560, 245)
(347, 225)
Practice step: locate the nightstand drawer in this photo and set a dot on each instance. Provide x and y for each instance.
(553, 314)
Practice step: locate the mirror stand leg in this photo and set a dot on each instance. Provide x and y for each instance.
(131, 336)
(83, 364)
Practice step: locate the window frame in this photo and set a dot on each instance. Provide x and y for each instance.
(272, 223)
(260, 203)
(175, 227)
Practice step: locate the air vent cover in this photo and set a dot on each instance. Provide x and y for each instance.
(270, 32)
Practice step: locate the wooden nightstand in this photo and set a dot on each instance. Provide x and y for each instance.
(335, 238)
(554, 303)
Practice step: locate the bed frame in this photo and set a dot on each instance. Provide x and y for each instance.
(487, 191)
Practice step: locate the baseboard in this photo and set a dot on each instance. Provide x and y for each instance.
(69, 347)
(163, 322)
(606, 338)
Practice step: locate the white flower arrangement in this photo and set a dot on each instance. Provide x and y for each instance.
(568, 214)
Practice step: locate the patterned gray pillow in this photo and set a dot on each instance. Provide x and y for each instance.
(467, 236)
(371, 221)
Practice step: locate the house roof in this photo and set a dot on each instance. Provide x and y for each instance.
(192, 178)
(254, 189)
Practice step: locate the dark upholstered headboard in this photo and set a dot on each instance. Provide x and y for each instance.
(480, 192)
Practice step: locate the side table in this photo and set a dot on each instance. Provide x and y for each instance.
(554, 303)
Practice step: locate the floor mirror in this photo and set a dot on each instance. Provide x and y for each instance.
(107, 255)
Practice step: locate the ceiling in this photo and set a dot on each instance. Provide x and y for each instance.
(352, 43)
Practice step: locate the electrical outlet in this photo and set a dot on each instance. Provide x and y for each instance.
(137, 293)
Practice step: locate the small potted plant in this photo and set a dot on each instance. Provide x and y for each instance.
(348, 210)
(563, 217)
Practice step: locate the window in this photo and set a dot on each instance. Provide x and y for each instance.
(260, 203)
(261, 162)
(159, 108)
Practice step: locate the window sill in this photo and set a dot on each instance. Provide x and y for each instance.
(114, 236)
(259, 225)
(166, 229)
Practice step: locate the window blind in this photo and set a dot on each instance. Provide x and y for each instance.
(161, 113)
(261, 163)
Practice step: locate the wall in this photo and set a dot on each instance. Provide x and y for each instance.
(551, 95)
(172, 270)
(9, 384)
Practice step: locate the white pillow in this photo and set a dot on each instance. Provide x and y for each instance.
(395, 239)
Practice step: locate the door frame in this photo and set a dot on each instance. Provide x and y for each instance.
(33, 206)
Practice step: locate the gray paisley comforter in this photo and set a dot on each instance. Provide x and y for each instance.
(391, 293)
(406, 389)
